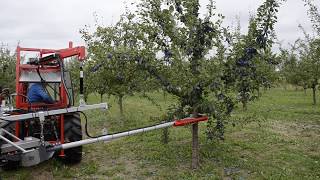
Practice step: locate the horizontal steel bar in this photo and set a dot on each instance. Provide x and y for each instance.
(22, 117)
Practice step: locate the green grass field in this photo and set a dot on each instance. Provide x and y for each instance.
(277, 138)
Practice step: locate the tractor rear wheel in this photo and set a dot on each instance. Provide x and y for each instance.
(72, 133)
(10, 164)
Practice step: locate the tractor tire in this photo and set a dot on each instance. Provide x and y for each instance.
(72, 132)
(10, 164)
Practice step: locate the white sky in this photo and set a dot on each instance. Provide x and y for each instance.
(52, 23)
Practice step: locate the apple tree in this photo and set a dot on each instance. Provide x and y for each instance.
(112, 53)
(251, 63)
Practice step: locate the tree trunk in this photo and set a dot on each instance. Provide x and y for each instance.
(244, 105)
(305, 91)
(314, 95)
(165, 96)
(195, 144)
(265, 89)
(101, 97)
(259, 93)
(85, 96)
(165, 136)
(120, 102)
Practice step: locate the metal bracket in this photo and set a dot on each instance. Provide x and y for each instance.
(35, 156)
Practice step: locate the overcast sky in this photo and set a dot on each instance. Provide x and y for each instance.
(52, 23)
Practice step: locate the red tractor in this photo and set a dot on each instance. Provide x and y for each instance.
(31, 133)
(49, 70)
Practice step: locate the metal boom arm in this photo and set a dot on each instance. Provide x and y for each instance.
(181, 122)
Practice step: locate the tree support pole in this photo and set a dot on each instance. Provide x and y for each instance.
(195, 142)
(195, 146)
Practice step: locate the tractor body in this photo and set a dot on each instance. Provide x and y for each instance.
(47, 67)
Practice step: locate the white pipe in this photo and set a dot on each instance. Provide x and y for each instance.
(110, 137)
(13, 144)
(8, 133)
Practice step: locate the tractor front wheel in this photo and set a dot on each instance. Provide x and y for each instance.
(72, 133)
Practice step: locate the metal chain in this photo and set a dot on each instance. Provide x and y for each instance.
(41, 118)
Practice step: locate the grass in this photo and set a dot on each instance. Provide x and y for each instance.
(277, 138)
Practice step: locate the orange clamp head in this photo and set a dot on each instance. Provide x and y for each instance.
(186, 121)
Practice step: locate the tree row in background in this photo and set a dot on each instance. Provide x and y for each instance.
(301, 63)
(7, 69)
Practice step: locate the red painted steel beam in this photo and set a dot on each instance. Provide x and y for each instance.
(186, 121)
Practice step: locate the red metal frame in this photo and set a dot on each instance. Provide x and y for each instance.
(186, 121)
(61, 134)
(21, 87)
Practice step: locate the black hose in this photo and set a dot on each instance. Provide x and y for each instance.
(44, 81)
(90, 136)
(86, 126)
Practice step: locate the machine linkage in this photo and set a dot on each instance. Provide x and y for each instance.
(31, 151)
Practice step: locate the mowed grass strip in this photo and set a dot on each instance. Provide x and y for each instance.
(278, 137)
